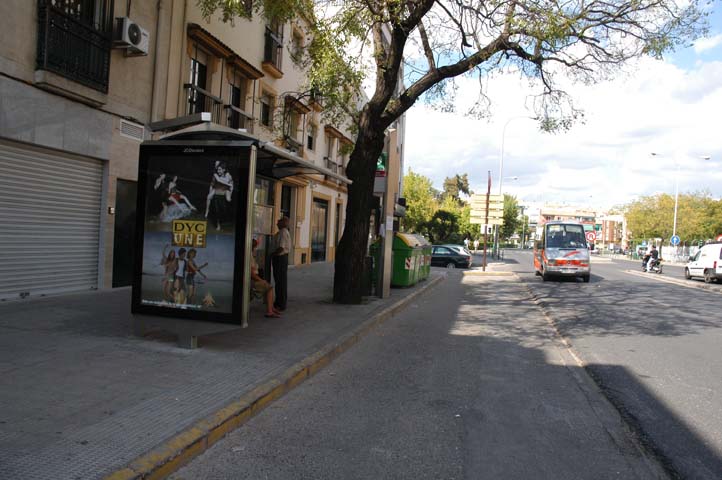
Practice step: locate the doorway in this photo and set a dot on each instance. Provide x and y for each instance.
(319, 227)
(124, 233)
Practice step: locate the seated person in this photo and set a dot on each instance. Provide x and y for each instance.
(260, 288)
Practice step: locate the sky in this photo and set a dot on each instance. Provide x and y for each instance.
(670, 107)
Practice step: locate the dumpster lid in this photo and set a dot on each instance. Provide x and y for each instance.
(409, 239)
(423, 242)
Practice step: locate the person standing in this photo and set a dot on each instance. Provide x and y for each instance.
(279, 262)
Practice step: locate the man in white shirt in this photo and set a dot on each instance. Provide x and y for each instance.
(279, 262)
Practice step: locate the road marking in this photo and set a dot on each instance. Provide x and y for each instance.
(675, 281)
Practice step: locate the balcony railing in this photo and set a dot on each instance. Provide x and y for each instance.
(200, 100)
(73, 48)
(331, 165)
(237, 118)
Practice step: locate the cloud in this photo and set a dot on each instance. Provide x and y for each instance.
(605, 161)
(704, 44)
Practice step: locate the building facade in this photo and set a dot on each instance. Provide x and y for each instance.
(84, 82)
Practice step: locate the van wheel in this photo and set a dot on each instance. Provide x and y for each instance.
(544, 276)
(585, 278)
(707, 276)
(686, 274)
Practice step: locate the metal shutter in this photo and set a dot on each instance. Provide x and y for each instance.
(49, 221)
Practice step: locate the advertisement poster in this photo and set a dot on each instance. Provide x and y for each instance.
(189, 231)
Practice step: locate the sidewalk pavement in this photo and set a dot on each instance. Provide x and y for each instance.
(83, 398)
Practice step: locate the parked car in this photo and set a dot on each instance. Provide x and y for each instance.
(459, 248)
(706, 263)
(450, 256)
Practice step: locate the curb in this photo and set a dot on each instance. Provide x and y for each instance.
(183, 447)
(475, 273)
(675, 281)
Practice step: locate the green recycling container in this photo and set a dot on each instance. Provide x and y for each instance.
(407, 259)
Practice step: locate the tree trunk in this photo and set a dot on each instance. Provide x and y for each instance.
(351, 252)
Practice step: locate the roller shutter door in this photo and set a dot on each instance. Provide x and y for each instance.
(49, 221)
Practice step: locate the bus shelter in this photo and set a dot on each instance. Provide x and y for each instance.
(194, 221)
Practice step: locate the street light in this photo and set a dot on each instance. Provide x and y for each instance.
(676, 188)
(501, 170)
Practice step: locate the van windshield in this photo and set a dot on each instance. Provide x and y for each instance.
(565, 236)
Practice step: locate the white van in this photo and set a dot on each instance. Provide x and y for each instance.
(706, 263)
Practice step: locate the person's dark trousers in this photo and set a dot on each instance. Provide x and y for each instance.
(280, 277)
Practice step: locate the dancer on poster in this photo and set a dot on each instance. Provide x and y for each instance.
(176, 205)
(220, 193)
(170, 263)
(191, 270)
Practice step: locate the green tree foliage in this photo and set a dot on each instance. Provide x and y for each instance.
(545, 41)
(455, 186)
(443, 228)
(699, 217)
(512, 222)
(421, 202)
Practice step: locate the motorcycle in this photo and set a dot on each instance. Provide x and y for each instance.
(656, 266)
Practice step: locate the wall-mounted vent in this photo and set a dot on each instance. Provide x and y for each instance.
(132, 130)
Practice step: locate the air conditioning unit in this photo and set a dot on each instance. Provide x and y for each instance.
(131, 36)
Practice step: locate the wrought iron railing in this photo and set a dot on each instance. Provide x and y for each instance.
(199, 100)
(331, 165)
(73, 47)
(237, 118)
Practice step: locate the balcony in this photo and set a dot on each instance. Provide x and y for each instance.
(73, 48)
(331, 164)
(200, 100)
(236, 118)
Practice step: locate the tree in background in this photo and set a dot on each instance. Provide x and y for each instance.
(698, 217)
(455, 186)
(512, 222)
(546, 41)
(421, 203)
(443, 228)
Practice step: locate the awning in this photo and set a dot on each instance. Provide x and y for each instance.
(277, 162)
(271, 161)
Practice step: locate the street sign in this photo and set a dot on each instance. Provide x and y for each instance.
(674, 240)
(481, 221)
(719, 238)
(479, 198)
(591, 236)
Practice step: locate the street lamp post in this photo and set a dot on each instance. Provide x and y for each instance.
(676, 189)
(501, 172)
(523, 226)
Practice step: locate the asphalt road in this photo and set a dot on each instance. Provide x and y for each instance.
(469, 382)
(653, 347)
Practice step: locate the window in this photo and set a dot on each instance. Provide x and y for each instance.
(311, 136)
(293, 121)
(197, 82)
(237, 90)
(74, 40)
(267, 109)
(273, 44)
(329, 147)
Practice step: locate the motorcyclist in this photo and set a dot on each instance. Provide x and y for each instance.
(653, 257)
